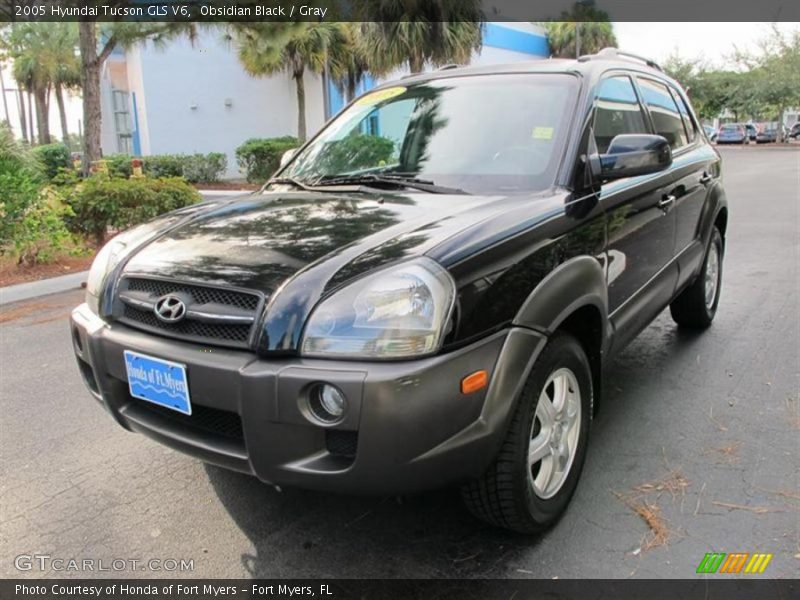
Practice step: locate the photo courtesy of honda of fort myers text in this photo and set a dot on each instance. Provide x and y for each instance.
(399, 300)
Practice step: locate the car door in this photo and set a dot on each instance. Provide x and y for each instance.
(694, 168)
(641, 222)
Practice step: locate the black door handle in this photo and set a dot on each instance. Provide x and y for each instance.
(706, 178)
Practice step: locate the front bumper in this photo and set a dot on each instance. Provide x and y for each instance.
(408, 427)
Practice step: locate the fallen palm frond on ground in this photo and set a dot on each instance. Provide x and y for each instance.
(759, 510)
(648, 510)
(727, 454)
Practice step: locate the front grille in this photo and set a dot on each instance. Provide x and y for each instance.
(200, 294)
(213, 306)
(203, 419)
(187, 328)
(341, 443)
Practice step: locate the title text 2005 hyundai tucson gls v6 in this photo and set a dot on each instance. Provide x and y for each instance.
(425, 293)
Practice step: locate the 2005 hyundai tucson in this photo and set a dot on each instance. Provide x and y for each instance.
(426, 293)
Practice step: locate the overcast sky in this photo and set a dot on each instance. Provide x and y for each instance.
(713, 42)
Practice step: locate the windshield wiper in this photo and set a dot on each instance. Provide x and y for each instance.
(388, 179)
(290, 181)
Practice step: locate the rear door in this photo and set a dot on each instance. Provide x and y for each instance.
(641, 229)
(694, 168)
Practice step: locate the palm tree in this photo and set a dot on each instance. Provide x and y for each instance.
(353, 60)
(308, 47)
(582, 30)
(64, 67)
(416, 32)
(28, 47)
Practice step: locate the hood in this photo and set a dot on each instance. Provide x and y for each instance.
(259, 242)
(306, 244)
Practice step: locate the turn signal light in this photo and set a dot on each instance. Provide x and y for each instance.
(474, 382)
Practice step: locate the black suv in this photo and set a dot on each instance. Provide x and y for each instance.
(426, 292)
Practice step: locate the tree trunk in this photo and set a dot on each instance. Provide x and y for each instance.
(42, 118)
(30, 117)
(301, 105)
(351, 88)
(5, 100)
(416, 63)
(90, 81)
(23, 122)
(62, 113)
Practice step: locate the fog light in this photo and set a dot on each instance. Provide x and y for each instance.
(327, 402)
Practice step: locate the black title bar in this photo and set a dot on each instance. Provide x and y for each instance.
(364, 10)
(712, 588)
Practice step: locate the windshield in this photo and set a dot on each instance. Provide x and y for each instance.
(482, 134)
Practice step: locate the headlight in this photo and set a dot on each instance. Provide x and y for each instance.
(110, 256)
(399, 312)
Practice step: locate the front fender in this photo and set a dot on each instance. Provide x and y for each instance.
(579, 282)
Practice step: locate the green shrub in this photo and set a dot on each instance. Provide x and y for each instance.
(119, 164)
(195, 168)
(258, 159)
(204, 168)
(53, 157)
(356, 151)
(162, 165)
(15, 156)
(102, 202)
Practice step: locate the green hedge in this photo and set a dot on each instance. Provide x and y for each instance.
(102, 202)
(53, 157)
(258, 158)
(195, 168)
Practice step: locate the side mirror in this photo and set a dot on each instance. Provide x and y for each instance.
(630, 155)
(287, 156)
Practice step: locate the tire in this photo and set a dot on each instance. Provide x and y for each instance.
(695, 307)
(513, 495)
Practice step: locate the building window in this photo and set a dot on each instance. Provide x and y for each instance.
(120, 102)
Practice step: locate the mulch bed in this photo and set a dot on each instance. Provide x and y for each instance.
(11, 273)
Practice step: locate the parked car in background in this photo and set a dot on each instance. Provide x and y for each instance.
(711, 133)
(435, 309)
(767, 135)
(752, 131)
(733, 133)
(794, 132)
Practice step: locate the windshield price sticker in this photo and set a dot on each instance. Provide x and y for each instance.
(380, 96)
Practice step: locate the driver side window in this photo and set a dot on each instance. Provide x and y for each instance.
(617, 111)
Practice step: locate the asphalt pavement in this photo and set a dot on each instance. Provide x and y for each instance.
(696, 449)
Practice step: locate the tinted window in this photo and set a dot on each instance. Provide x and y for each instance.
(617, 111)
(688, 123)
(666, 117)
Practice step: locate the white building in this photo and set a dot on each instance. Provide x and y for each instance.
(195, 97)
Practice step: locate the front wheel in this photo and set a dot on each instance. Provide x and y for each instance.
(696, 306)
(534, 475)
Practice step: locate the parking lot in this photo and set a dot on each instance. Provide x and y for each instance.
(695, 450)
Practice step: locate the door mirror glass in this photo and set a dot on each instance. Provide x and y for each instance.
(287, 156)
(630, 155)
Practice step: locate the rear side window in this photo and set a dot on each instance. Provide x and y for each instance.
(617, 111)
(666, 116)
(688, 123)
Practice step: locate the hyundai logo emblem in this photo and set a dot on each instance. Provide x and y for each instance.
(170, 308)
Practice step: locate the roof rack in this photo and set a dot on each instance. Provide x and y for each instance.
(448, 67)
(611, 53)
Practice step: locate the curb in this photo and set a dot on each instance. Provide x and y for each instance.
(43, 287)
